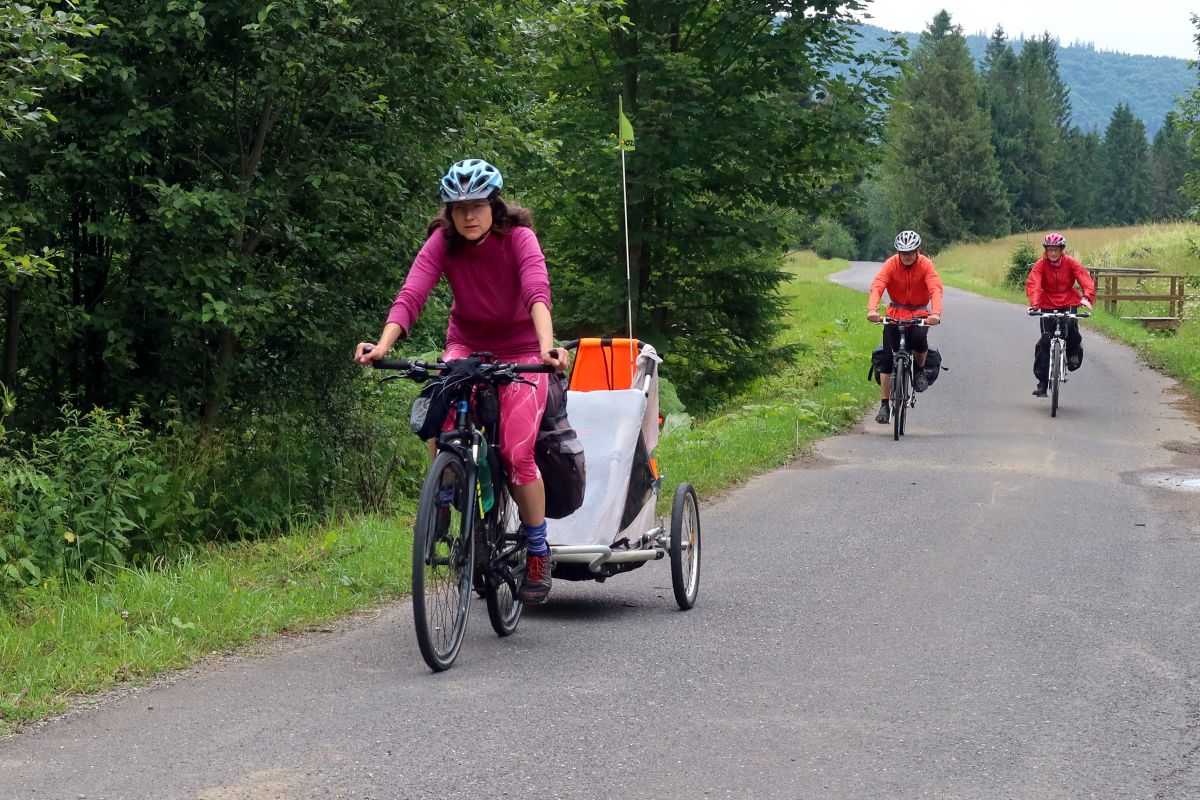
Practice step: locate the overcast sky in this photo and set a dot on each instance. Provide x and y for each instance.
(1150, 27)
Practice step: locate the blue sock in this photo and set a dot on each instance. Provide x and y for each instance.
(536, 538)
(445, 496)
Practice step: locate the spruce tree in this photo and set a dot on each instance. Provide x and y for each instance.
(1079, 179)
(1042, 112)
(941, 166)
(1125, 170)
(1170, 162)
(1001, 91)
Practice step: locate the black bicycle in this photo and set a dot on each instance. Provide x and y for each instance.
(903, 396)
(467, 538)
(1058, 350)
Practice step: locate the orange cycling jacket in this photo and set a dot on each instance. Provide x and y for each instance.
(1049, 286)
(918, 286)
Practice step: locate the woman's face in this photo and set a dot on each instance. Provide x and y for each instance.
(1054, 254)
(472, 218)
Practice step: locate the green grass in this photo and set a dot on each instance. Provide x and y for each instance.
(779, 417)
(1170, 249)
(60, 642)
(135, 623)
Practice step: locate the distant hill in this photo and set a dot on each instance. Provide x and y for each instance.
(1099, 79)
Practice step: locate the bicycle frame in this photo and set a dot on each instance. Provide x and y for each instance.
(902, 359)
(464, 441)
(491, 563)
(1057, 368)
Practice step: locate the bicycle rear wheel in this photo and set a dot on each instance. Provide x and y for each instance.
(443, 560)
(1056, 369)
(504, 609)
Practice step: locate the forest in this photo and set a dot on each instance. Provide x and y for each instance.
(1099, 80)
(205, 205)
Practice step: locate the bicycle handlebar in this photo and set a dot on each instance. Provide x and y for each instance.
(918, 322)
(1040, 312)
(438, 366)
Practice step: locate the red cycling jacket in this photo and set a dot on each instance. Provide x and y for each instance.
(918, 285)
(1051, 286)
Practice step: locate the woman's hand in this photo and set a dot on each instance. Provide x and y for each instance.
(366, 352)
(557, 357)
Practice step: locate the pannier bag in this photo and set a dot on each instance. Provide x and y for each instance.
(559, 454)
(933, 364)
(429, 410)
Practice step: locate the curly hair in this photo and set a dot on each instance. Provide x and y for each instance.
(505, 217)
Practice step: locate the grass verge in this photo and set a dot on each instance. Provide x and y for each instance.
(131, 624)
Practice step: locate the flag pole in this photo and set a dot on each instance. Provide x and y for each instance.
(628, 268)
(625, 142)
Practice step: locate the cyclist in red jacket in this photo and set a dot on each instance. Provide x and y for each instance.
(1051, 287)
(914, 289)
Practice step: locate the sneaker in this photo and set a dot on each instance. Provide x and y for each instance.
(920, 379)
(883, 415)
(1040, 391)
(536, 583)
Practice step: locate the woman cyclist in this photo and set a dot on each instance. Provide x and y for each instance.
(1051, 287)
(489, 254)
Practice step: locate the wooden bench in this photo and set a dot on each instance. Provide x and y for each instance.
(1109, 293)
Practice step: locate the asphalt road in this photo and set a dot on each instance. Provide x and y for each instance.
(994, 607)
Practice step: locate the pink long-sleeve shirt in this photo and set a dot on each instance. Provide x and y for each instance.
(495, 284)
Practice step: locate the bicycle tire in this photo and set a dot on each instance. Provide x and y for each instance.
(894, 396)
(443, 563)
(504, 609)
(685, 530)
(899, 396)
(1056, 367)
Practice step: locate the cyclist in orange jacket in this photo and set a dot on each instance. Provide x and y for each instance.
(914, 290)
(1051, 287)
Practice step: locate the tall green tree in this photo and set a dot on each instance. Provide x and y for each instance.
(941, 167)
(1043, 113)
(739, 115)
(1080, 179)
(237, 186)
(1001, 73)
(1125, 173)
(36, 54)
(1170, 162)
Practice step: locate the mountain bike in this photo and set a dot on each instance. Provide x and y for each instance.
(1058, 350)
(467, 539)
(902, 397)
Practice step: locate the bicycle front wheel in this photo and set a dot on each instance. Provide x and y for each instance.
(1056, 370)
(443, 559)
(900, 389)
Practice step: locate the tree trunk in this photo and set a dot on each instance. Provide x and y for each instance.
(217, 389)
(12, 331)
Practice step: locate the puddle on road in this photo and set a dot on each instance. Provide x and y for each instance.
(1178, 481)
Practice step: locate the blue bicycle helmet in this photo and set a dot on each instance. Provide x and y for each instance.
(470, 179)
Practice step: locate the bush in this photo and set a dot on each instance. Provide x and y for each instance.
(832, 240)
(1019, 263)
(97, 492)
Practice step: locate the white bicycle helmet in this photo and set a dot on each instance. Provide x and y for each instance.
(470, 179)
(907, 241)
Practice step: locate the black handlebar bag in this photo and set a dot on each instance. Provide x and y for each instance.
(559, 454)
